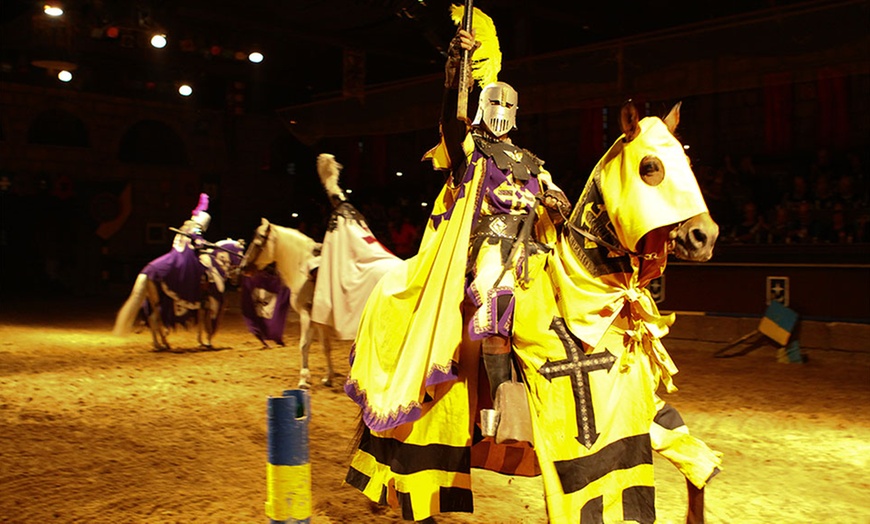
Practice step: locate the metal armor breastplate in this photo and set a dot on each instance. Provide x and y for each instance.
(521, 163)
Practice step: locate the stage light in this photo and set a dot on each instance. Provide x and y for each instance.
(64, 76)
(215, 50)
(185, 90)
(348, 191)
(113, 32)
(158, 41)
(294, 215)
(53, 10)
(255, 57)
(424, 204)
(399, 173)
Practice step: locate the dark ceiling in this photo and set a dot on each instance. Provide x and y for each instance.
(306, 43)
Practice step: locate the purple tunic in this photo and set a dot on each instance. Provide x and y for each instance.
(493, 299)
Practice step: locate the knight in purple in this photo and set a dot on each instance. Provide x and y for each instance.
(513, 191)
(182, 273)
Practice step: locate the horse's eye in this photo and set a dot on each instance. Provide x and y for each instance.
(652, 171)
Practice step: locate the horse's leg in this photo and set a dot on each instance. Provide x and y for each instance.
(205, 326)
(305, 336)
(155, 323)
(326, 339)
(696, 504)
(670, 437)
(208, 319)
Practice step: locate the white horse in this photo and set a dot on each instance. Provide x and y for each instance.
(296, 257)
(329, 282)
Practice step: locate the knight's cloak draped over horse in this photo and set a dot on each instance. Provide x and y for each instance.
(352, 261)
(340, 272)
(586, 335)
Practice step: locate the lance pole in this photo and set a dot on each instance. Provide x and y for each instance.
(464, 65)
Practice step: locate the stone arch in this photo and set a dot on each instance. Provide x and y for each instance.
(57, 127)
(151, 142)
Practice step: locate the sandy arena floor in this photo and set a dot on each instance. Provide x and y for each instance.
(95, 429)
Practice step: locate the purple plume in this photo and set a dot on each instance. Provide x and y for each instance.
(203, 204)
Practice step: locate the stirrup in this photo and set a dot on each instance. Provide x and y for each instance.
(489, 419)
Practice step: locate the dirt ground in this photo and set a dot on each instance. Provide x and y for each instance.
(95, 429)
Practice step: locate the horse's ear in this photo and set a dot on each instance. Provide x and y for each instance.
(673, 118)
(628, 121)
(263, 221)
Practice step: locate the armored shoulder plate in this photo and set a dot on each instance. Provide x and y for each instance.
(521, 162)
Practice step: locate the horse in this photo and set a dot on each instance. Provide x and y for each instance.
(296, 259)
(328, 281)
(185, 286)
(587, 355)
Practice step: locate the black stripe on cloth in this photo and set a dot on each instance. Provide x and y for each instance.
(357, 478)
(405, 505)
(669, 418)
(593, 511)
(456, 499)
(405, 459)
(625, 453)
(450, 500)
(639, 504)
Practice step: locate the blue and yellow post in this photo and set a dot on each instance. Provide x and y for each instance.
(288, 474)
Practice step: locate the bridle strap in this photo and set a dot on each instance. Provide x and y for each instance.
(619, 249)
(257, 245)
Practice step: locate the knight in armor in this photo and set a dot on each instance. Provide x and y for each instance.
(510, 223)
(193, 237)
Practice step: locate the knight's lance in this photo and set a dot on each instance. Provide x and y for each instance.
(464, 65)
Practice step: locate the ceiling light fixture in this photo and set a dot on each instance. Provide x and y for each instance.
(256, 57)
(185, 90)
(158, 41)
(64, 76)
(53, 10)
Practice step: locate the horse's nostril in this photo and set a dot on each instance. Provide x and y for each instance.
(699, 236)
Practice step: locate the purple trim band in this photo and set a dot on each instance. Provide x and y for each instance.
(439, 377)
(374, 422)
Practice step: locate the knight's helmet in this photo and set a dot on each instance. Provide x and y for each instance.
(199, 215)
(497, 108)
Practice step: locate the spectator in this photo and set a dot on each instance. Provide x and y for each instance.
(752, 229)
(840, 230)
(797, 195)
(718, 202)
(780, 226)
(404, 236)
(806, 229)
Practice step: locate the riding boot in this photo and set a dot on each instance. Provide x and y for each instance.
(498, 371)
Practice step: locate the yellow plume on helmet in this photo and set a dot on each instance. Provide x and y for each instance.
(486, 61)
